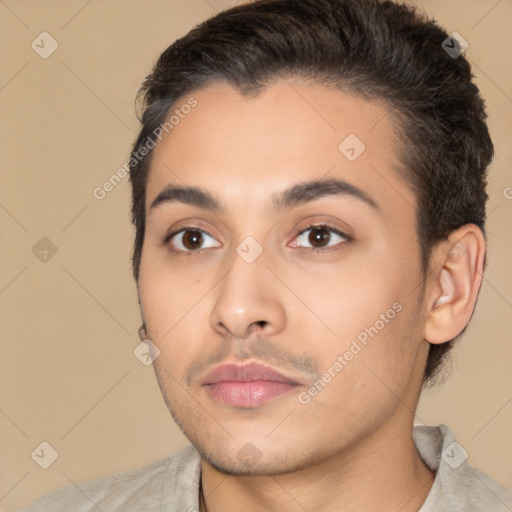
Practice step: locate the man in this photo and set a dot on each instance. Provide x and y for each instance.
(309, 202)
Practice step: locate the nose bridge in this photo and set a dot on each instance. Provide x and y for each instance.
(244, 296)
(247, 272)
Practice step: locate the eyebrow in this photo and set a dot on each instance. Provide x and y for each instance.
(294, 196)
(188, 195)
(312, 190)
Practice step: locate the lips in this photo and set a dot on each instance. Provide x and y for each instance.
(248, 372)
(246, 385)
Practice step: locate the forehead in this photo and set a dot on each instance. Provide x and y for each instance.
(246, 148)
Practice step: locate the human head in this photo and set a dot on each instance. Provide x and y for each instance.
(242, 134)
(376, 50)
(373, 49)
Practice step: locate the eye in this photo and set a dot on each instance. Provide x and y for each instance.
(319, 237)
(191, 239)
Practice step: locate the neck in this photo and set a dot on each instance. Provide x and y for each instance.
(382, 472)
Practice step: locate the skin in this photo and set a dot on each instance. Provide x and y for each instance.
(295, 308)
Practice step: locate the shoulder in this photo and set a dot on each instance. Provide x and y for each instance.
(457, 485)
(157, 486)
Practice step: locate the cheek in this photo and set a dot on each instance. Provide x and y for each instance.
(365, 377)
(344, 300)
(366, 321)
(168, 294)
(176, 308)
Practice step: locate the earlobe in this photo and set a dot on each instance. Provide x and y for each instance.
(142, 333)
(455, 283)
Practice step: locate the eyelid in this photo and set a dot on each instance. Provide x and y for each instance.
(329, 227)
(177, 251)
(326, 225)
(168, 236)
(323, 225)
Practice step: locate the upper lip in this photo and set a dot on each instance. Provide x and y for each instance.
(248, 372)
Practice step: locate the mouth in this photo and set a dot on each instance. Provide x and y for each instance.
(246, 385)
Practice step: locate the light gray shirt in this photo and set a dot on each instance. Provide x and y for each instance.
(172, 484)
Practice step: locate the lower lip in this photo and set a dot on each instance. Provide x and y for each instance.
(248, 394)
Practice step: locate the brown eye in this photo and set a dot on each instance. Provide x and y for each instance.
(318, 237)
(192, 239)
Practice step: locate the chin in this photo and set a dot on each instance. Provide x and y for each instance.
(244, 458)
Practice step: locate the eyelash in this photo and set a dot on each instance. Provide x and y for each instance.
(184, 229)
(334, 230)
(347, 239)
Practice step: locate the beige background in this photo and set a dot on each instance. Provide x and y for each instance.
(68, 373)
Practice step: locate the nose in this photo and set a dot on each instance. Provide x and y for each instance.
(248, 301)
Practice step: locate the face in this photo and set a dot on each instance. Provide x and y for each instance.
(281, 276)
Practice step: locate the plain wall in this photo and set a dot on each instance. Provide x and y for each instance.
(69, 325)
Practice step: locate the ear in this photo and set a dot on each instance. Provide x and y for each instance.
(142, 332)
(454, 283)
